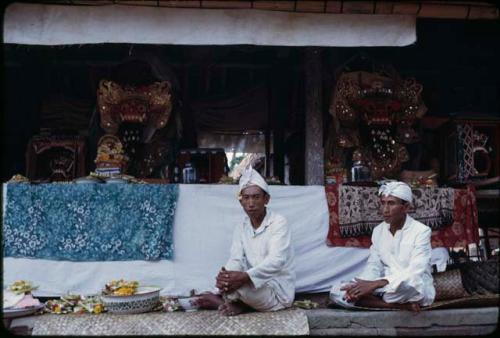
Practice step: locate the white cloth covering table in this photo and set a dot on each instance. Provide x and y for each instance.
(204, 222)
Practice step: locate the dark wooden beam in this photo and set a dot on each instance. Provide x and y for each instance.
(279, 110)
(314, 156)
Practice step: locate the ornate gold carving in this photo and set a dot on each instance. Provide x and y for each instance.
(148, 105)
(374, 114)
(110, 153)
(146, 110)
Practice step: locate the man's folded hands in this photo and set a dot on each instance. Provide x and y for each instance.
(230, 281)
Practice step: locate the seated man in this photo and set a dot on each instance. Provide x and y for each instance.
(260, 273)
(398, 271)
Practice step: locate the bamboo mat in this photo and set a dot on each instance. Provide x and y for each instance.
(285, 322)
(472, 301)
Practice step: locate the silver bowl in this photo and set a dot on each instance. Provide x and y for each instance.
(21, 312)
(144, 300)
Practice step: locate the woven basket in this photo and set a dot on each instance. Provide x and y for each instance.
(469, 278)
(448, 285)
(481, 278)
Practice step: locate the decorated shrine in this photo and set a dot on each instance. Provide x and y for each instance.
(373, 119)
(136, 116)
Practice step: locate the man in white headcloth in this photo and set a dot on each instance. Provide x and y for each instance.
(398, 271)
(259, 274)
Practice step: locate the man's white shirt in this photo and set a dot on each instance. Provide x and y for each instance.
(266, 254)
(402, 258)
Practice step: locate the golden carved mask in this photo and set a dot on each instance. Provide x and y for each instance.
(149, 105)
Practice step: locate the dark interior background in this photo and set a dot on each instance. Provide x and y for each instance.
(55, 86)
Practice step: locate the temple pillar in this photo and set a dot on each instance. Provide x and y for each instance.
(314, 157)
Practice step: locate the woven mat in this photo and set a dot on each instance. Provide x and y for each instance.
(473, 301)
(285, 322)
(465, 302)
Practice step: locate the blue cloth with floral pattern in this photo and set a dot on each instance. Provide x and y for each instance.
(90, 222)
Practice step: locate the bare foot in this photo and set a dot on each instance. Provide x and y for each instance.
(232, 309)
(414, 306)
(209, 301)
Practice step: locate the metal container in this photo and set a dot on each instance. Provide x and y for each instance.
(360, 172)
(189, 174)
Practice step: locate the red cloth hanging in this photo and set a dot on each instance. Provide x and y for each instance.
(463, 229)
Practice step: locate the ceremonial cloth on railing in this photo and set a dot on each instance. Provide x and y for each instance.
(354, 212)
(359, 209)
(90, 222)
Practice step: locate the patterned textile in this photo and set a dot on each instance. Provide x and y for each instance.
(89, 222)
(464, 229)
(465, 152)
(359, 209)
(285, 322)
(451, 213)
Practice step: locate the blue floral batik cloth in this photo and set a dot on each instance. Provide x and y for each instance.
(90, 222)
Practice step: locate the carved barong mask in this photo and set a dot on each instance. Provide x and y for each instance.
(55, 157)
(373, 115)
(147, 105)
(134, 115)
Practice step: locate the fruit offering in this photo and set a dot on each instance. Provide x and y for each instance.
(120, 288)
(22, 286)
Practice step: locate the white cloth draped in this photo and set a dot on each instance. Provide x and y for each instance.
(42, 24)
(204, 223)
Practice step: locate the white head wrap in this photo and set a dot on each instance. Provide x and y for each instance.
(250, 177)
(397, 189)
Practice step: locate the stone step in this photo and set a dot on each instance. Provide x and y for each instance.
(446, 322)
